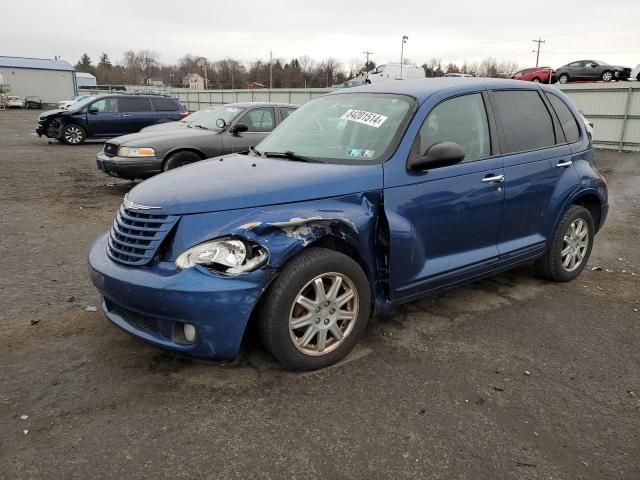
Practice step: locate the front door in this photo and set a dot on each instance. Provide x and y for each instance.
(103, 118)
(261, 121)
(444, 223)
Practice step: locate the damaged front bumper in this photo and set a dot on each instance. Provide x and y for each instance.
(154, 302)
(129, 168)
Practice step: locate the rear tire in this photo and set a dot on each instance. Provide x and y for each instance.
(564, 78)
(307, 293)
(73, 135)
(570, 247)
(179, 159)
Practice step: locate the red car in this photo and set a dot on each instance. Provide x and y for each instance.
(536, 74)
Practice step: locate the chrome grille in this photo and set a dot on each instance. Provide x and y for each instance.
(136, 237)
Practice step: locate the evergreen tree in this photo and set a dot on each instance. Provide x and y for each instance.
(84, 65)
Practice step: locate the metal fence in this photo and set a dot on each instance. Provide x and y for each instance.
(614, 108)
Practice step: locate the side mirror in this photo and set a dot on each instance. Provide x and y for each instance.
(93, 110)
(239, 128)
(440, 154)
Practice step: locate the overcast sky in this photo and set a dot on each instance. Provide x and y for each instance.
(455, 30)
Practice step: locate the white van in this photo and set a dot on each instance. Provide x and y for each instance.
(392, 71)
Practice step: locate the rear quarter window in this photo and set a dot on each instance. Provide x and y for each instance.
(164, 105)
(526, 122)
(567, 120)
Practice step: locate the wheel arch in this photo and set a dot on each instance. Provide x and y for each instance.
(591, 202)
(175, 150)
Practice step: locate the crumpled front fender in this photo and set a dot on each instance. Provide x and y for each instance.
(285, 230)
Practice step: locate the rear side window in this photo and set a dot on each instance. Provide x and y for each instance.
(462, 120)
(286, 111)
(526, 122)
(163, 105)
(134, 104)
(567, 120)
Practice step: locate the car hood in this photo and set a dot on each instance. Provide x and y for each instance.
(165, 126)
(155, 137)
(241, 181)
(50, 113)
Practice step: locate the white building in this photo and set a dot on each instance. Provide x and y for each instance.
(52, 80)
(193, 81)
(85, 80)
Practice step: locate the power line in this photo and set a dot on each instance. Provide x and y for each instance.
(367, 53)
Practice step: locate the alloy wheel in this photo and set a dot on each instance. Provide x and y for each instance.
(73, 135)
(324, 313)
(607, 76)
(575, 245)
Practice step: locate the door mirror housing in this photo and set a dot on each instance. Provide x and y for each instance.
(239, 128)
(439, 154)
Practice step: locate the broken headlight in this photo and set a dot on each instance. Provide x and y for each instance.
(226, 255)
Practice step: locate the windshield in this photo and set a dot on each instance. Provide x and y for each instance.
(81, 103)
(348, 128)
(207, 117)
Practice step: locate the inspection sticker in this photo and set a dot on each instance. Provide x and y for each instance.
(367, 118)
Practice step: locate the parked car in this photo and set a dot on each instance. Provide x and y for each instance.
(392, 71)
(12, 101)
(72, 100)
(183, 122)
(635, 73)
(33, 102)
(591, 70)
(364, 199)
(536, 74)
(108, 116)
(231, 128)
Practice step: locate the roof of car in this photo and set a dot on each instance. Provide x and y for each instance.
(254, 104)
(422, 89)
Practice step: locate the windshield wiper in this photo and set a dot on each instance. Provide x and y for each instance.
(201, 127)
(290, 156)
(253, 150)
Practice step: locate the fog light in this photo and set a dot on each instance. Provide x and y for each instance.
(189, 332)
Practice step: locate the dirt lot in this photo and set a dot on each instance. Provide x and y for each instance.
(511, 377)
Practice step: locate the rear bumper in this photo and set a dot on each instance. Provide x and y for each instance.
(129, 168)
(153, 302)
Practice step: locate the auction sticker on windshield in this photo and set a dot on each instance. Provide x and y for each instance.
(361, 116)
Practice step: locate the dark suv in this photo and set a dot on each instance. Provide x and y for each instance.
(108, 116)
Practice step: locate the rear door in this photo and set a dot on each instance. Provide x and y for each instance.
(103, 118)
(261, 121)
(446, 220)
(136, 112)
(537, 170)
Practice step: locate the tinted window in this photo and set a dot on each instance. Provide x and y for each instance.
(105, 105)
(567, 120)
(133, 104)
(462, 120)
(164, 105)
(286, 111)
(259, 119)
(577, 64)
(525, 119)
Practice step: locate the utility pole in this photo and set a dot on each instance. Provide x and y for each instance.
(270, 69)
(404, 40)
(367, 53)
(539, 41)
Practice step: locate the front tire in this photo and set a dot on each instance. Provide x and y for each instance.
(73, 135)
(564, 78)
(607, 76)
(316, 311)
(179, 159)
(570, 246)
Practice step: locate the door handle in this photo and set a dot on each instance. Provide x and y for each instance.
(568, 163)
(126, 115)
(493, 178)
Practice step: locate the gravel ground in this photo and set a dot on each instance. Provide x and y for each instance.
(510, 377)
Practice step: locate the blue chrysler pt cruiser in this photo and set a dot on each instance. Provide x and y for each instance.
(362, 200)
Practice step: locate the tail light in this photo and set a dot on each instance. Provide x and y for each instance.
(183, 114)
